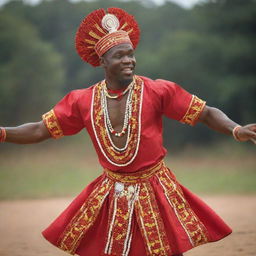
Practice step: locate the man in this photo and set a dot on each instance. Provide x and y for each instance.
(136, 207)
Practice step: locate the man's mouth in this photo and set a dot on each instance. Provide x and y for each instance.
(127, 70)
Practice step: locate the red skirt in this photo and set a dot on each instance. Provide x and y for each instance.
(142, 213)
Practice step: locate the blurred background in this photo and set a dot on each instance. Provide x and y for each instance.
(206, 46)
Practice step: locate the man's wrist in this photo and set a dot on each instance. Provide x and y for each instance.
(235, 132)
(2, 134)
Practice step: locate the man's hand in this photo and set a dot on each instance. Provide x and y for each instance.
(247, 132)
(218, 121)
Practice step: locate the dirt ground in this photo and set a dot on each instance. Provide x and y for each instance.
(22, 222)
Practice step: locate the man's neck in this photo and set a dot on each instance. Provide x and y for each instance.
(117, 85)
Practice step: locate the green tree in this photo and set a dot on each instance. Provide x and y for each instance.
(30, 72)
(233, 22)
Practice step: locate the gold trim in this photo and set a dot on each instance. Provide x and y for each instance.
(134, 177)
(193, 227)
(151, 223)
(195, 109)
(114, 156)
(84, 218)
(52, 124)
(120, 223)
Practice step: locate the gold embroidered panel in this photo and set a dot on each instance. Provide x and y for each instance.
(194, 228)
(84, 219)
(120, 221)
(194, 111)
(150, 222)
(51, 122)
(135, 177)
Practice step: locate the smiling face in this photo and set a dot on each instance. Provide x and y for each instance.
(119, 64)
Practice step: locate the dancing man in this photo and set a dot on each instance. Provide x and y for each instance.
(136, 207)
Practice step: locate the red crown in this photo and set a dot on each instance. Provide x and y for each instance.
(92, 40)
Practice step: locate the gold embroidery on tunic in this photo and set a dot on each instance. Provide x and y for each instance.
(194, 228)
(85, 218)
(52, 124)
(136, 177)
(129, 198)
(194, 111)
(119, 233)
(150, 222)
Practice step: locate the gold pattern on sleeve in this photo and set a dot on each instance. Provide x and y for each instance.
(51, 122)
(195, 109)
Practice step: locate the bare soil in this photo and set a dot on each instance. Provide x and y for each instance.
(21, 223)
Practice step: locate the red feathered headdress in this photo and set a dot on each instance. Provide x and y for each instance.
(102, 30)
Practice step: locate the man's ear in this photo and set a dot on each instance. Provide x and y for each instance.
(102, 62)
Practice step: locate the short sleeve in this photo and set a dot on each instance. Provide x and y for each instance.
(65, 118)
(179, 104)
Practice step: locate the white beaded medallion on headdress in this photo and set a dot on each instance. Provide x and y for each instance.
(110, 22)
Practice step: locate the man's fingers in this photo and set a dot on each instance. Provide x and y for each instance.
(252, 134)
(251, 127)
(253, 140)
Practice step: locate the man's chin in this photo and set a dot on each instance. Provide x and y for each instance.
(126, 81)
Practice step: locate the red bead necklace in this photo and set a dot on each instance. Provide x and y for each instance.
(119, 93)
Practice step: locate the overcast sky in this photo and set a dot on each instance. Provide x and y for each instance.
(184, 3)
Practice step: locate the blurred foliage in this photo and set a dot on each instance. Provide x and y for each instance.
(208, 49)
(30, 71)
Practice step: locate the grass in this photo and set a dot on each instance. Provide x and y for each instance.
(229, 171)
(65, 167)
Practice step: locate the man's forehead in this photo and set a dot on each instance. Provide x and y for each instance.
(120, 47)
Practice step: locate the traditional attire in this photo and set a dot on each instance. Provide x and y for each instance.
(136, 207)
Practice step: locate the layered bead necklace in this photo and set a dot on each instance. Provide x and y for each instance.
(128, 109)
(104, 131)
(119, 93)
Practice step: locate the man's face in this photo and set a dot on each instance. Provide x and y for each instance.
(119, 63)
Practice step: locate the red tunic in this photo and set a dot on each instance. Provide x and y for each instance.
(136, 207)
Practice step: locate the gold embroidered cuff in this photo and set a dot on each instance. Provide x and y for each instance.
(195, 109)
(51, 122)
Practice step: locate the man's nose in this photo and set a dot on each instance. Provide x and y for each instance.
(126, 59)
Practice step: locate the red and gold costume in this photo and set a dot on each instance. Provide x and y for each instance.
(136, 207)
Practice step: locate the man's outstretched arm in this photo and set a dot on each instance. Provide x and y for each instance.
(218, 121)
(27, 133)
